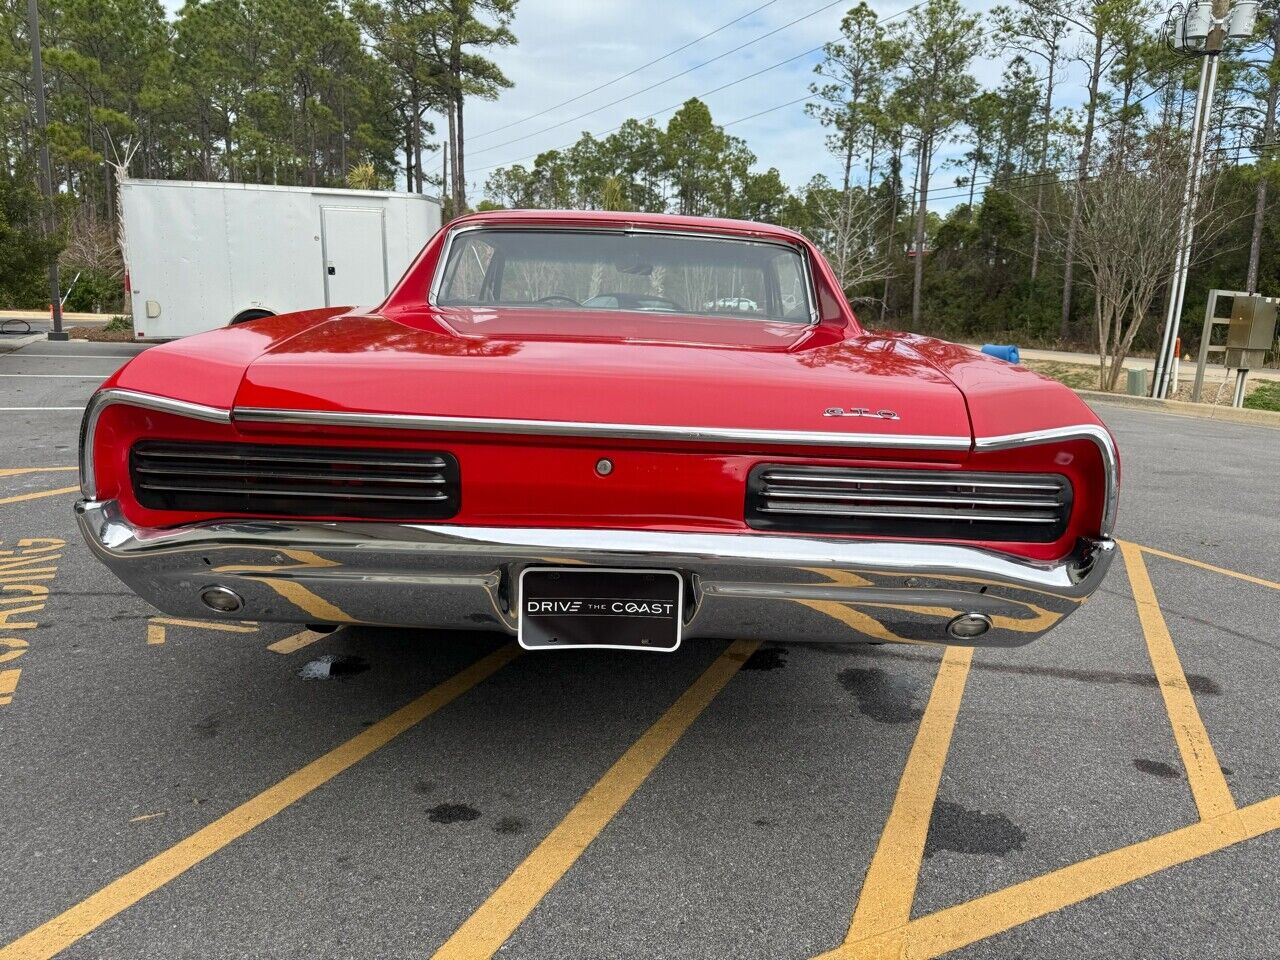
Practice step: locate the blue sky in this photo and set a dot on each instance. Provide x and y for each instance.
(570, 46)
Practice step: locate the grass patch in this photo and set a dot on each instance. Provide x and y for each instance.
(1077, 376)
(1265, 396)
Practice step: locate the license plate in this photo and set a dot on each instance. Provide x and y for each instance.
(617, 609)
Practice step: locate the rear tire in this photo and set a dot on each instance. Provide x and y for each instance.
(245, 316)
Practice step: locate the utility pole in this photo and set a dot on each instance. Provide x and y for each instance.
(1202, 29)
(46, 172)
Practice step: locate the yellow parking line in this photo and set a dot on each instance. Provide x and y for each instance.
(967, 923)
(296, 642)
(156, 627)
(206, 625)
(889, 889)
(65, 929)
(1204, 773)
(38, 494)
(1248, 578)
(17, 471)
(486, 930)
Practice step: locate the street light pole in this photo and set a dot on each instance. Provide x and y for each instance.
(1201, 29)
(46, 172)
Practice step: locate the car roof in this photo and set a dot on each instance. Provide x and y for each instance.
(610, 218)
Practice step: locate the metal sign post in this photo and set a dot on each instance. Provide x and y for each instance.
(1201, 28)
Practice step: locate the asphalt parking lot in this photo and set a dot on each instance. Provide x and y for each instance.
(175, 788)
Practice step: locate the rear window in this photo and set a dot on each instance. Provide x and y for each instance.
(631, 271)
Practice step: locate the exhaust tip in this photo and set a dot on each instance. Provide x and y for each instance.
(221, 599)
(968, 626)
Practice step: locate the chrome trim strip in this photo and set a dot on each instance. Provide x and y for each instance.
(108, 528)
(437, 280)
(113, 395)
(1101, 439)
(612, 431)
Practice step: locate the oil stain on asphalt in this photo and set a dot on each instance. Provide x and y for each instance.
(766, 658)
(883, 697)
(961, 830)
(509, 826)
(452, 813)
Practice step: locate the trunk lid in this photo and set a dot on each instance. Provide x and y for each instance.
(677, 375)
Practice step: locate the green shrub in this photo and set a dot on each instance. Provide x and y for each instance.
(119, 324)
(95, 292)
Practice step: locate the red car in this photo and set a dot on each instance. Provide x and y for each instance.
(601, 429)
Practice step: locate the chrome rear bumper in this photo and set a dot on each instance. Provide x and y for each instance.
(782, 588)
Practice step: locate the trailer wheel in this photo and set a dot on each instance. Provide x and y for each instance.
(245, 316)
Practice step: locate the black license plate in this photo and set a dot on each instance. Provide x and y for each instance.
(619, 609)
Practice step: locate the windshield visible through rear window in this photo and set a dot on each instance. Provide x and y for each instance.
(648, 272)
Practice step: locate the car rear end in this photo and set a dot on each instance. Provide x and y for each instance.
(332, 517)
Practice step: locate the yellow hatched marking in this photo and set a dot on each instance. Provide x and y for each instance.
(296, 642)
(967, 923)
(486, 930)
(38, 494)
(1204, 773)
(890, 885)
(54, 936)
(1247, 578)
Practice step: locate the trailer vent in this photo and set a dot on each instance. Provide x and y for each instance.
(1024, 507)
(266, 480)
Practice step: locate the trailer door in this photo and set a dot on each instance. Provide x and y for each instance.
(355, 256)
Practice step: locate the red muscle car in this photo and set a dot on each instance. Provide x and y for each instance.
(601, 429)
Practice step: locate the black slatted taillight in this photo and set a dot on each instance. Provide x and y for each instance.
(1026, 507)
(266, 480)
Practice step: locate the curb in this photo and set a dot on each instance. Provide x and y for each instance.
(8, 345)
(1181, 408)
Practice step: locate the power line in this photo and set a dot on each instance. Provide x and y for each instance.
(629, 73)
(1070, 176)
(665, 80)
(676, 106)
(705, 93)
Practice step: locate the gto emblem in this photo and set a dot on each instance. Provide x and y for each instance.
(860, 412)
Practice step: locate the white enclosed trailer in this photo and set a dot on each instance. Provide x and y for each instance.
(205, 255)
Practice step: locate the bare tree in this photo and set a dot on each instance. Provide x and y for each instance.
(1125, 221)
(848, 224)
